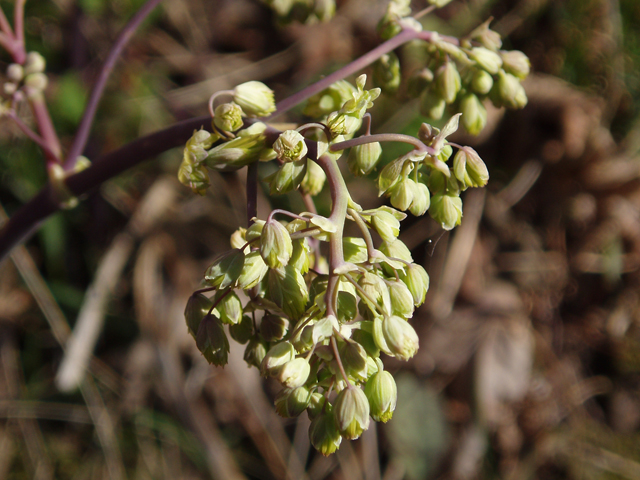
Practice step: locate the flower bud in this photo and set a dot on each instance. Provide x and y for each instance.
(402, 193)
(516, 63)
(421, 200)
(474, 115)
(255, 230)
(228, 308)
(448, 81)
(273, 328)
(314, 179)
(288, 290)
(301, 257)
(316, 402)
(255, 352)
(431, 104)
(364, 158)
(481, 82)
(242, 331)
(195, 177)
(382, 393)
(376, 290)
(469, 168)
(253, 271)
(197, 308)
(390, 175)
(446, 210)
(35, 63)
(255, 99)
(288, 177)
(225, 269)
(355, 250)
(351, 412)
(15, 72)
(366, 339)
(509, 91)
(401, 299)
(486, 59)
(228, 117)
(439, 3)
(294, 373)
(36, 81)
(354, 360)
(242, 150)
(486, 37)
(386, 73)
(386, 224)
(329, 100)
(290, 146)
(417, 281)
(212, 341)
(324, 434)
(275, 244)
(276, 357)
(401, 338)
(396, 249)
(291, 402)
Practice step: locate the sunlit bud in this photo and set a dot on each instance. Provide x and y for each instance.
(448, 81)
(225, 269)
(276, 357)
(401, 299)
(288, 177)
(255, 99)
(316, 402)
(35, 63)
(324, 434)
(510, 92)
(486, 37)
(275, 244)
(337, 124)
(273, 328)
(313, 180)
(242, 331)
(294, 373)
(446, 210)
(197, 307)
(386, 224)
(376, 290)
(432, 104)
(403, 193)
(469, 168)
(330, 99)
(421, 200)
(400, 336)
(255, 352)
(291, 402)
(355, 249)
(474, 115)
(486, 59)
(301, 257)
(364, 158)
(290, 146)
(386, 73)
(36, 81)
(396, 249)
(354, 360)
(481, 82)
(417, 281)
(15, 72)
(255, 230)
(241, 151)
(351, 412)
(228, 117)
(516, 63)
(389, 175)
(287, 289)
(253, 271)
(238, 238)
(382, 393)
(445, 153)
(195, 177)
(229, 308)
(212, 341)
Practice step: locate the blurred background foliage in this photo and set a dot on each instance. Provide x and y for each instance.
(529, 365)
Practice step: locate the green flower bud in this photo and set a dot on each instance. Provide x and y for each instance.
(295, 373)
(290, 146)
(253, 271)
(254, 231)
(291, 402)
(228, 117)
(15, 72)
(364, 158)
(376, 290)
(486, 59)
(432, 104)
(354, 360)
(509, 91)
(36, 81)
(225, 269)
(316, 402)
(238, 238)
(396, 249)
(448, 81)
(276, 357)
(355, 250)
(390, 175)
(474, 115)
(229, 308)
(351, 412)
(417, 281)
(242, 331)
(255, 352)
(288, 177)
(386, 73)
(445, 153)
(195, 177)
(337, 124)
(386, 224)
(481, 82)
(402, 194)
(301, 257)
(275, 244)
(329, 100)
(273, 328)
(401, 299)
(255, 99)
(401, 338)
(516, 63)
(288, 290)
(324, 434)
(314, 179)
(446, 210)
(362, 100)
(212, 341)
(242, 150)
(469, 168)
(382, 393)
(197, 308)
(421, 200)
(34, 63)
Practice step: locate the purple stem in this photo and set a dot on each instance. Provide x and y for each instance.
(383, 137)
(80, 140)
(45, 126)
(37, 139)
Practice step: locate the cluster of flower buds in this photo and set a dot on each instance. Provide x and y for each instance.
(459, 74)
(28, 78)
(302, 11)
